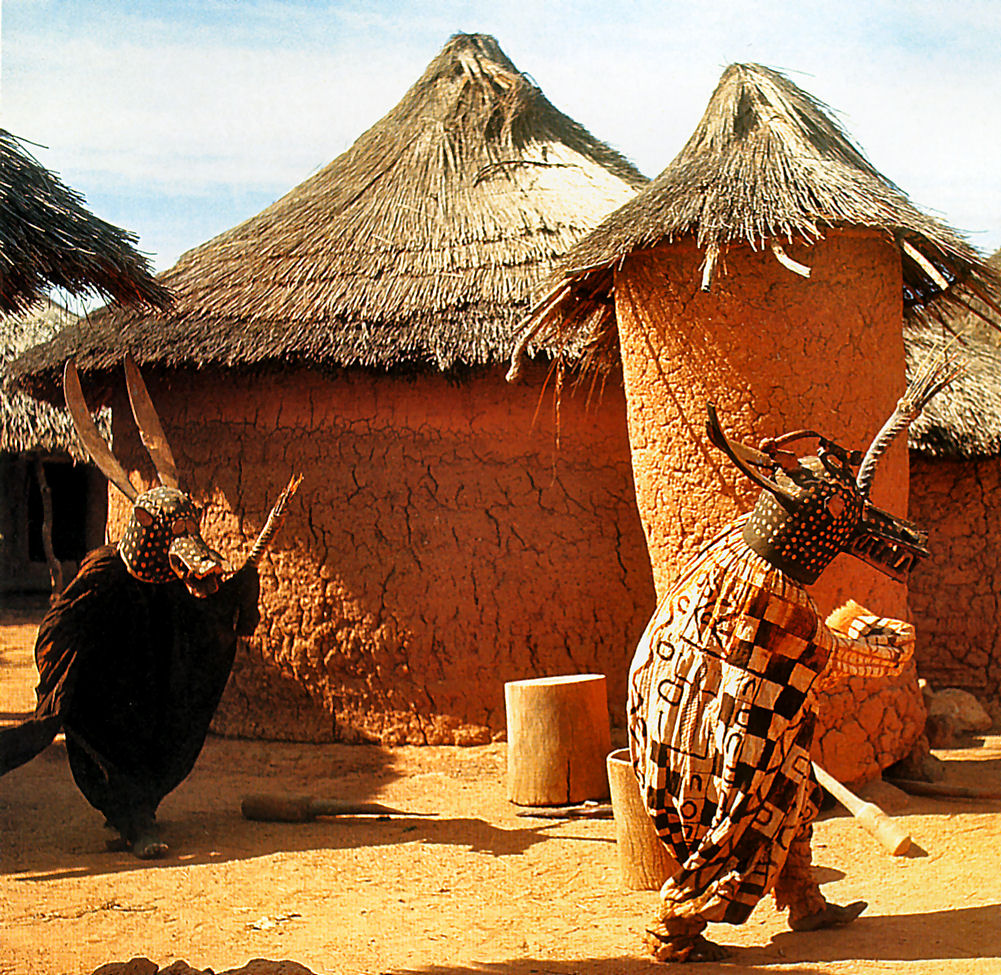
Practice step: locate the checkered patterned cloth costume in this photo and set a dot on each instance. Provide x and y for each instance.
(721, 720)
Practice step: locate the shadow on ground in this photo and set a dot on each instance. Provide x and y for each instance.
(624, 965)
(50, 832)
(963, 933)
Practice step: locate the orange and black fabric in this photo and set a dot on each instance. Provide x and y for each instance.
(721, 720)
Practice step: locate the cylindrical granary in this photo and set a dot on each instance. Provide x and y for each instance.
(768, 270)
(774, 353)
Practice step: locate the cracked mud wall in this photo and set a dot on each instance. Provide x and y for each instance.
(775, 352)
(441, 544)
(956, 592)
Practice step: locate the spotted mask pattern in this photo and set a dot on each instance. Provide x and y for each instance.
(802, 532)
(162, 541)
(812, 508)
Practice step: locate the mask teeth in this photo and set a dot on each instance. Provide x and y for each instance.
(885, 552)
(904, 562)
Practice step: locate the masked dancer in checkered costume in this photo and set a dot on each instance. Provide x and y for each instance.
(722, 685)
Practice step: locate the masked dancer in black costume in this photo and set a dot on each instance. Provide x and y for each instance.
(134, 654)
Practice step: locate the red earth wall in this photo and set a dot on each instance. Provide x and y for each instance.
(441, 544)
(774, 352)
(956, 593)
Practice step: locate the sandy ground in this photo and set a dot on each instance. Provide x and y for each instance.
(475, 889)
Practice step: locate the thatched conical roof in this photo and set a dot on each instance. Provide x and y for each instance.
(766, 164)
(48, 238)
(964, 420)
(27, 425)
(420, 245)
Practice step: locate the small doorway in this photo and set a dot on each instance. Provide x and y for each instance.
(70, 487)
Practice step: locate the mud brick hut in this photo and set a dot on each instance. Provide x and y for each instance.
(956, 491)
(767, 269)
(52, 508)
(447, 536)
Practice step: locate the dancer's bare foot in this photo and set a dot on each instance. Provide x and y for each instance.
(674, 939)
(149, 846)
(830, 916)
(685, 948)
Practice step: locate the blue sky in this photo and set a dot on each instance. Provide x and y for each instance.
(177, 120)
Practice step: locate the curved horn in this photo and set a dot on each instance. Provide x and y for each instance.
(934, 374)
(275, 519)
(86, 430)
(744, 457)
(150, 428)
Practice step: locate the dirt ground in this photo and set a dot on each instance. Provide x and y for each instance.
(474, 889)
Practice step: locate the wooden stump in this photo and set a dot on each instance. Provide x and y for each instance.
(557, 739)
(644, 862)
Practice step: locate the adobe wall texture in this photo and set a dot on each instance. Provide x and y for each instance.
(774, 352)
(956, 593)
(442, 543)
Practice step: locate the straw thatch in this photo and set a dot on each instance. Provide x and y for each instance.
(964, 420)
(48, 238)
(766, 164)
(26, 425)
(419, 246)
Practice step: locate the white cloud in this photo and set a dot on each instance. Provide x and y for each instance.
(193, 114)
(191, 102)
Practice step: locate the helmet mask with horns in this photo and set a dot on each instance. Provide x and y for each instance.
(813, 508)
(162, 541)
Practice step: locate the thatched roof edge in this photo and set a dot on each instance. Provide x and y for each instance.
(422, 245)
(766, 165)
(27, 425)
(964, 420)
(48, 238)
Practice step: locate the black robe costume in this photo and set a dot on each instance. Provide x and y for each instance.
(133, 672)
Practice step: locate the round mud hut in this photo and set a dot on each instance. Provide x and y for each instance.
(956, 494)
(452, 532)
(768, 270)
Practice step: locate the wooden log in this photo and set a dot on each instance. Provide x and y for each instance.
(304, 809)
(557, 738)
(644, 861)
(887, 833)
